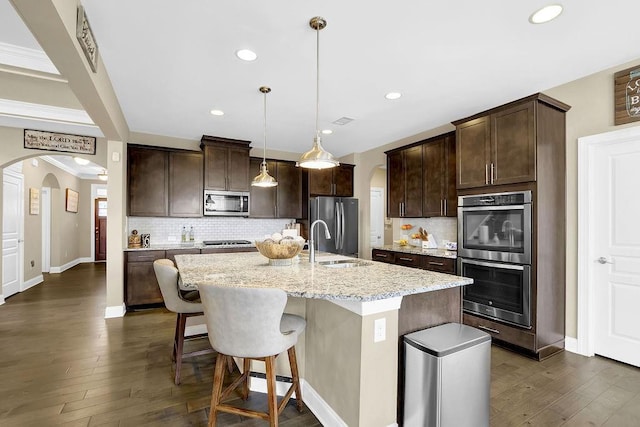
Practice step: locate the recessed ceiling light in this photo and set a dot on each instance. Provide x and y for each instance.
(81, 161)
(217, 112)
(246, 55)
(393, 95)
(546, 14)
(327, 131)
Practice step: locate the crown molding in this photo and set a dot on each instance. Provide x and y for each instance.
(24, 57)
(11, 108)
(60, 165)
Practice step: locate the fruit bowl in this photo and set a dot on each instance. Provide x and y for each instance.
(280, 252)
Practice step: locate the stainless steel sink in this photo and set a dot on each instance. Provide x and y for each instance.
(343, 263)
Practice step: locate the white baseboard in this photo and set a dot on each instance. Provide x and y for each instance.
(115, 311)
(32, 282)
(321, 409)
(70, 264)
(571, 345)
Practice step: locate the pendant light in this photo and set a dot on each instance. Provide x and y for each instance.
(317, 157)
(103, 176)
(264, 179)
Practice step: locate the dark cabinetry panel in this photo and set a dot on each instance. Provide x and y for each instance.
(185, 184)
(164, 182)
(281, 201)
(226, 163)
(336, 181)
(141, 286)
(404, 181)
(148, 182)
(426, 262)
(439, 177)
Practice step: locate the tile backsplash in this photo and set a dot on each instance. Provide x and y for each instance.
(441, 228)
(169, 230)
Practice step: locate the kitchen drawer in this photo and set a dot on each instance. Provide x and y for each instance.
(500, 331)
(383, 256)
(408, 260)
(443, 265)
(144, 256)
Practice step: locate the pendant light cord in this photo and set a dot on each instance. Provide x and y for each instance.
(317, 77)
(264, 139)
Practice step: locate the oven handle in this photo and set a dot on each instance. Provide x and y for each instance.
(518, 267)
(492, 208)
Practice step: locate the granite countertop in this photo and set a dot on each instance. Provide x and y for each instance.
(371, 282)
(408, 249)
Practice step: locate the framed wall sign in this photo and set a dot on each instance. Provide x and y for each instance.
(71, 201)
(86, 39)
(627, 95)
(34, 201)
(52, 141)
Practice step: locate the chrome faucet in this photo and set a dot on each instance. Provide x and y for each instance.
(312, 249)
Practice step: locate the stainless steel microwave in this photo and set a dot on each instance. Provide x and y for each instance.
(226, 203)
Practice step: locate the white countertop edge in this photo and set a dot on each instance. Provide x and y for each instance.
(365, 308)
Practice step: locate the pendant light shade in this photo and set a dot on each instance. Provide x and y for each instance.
(263, 179)
(103, 176)
(317, 157)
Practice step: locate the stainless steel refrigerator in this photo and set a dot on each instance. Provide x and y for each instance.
(341, 215)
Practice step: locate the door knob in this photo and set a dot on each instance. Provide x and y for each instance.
(603, 260)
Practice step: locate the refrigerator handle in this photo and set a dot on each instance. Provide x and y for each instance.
(342, 225)
(337, 230)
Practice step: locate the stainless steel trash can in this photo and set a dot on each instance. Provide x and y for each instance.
(447, 377)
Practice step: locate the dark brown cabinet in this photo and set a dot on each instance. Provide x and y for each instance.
(148, 182)
(185, 184)
(407, 259)
(404, 182)
(226, 163)
(164, 182)
(141, 286)
(282, 201)
(500, 146)
(439, 177)
(336, 181)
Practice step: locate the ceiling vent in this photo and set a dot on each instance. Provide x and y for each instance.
(343, 121)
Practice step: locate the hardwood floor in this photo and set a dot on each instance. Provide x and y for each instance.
(62, 363)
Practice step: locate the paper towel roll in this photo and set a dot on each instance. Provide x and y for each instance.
(483, 234)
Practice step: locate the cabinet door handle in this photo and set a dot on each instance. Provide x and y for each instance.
(492, 173)
(382, 255)
(486, 173)
(405, 259)
(441, 204)
(445, 208)
(495, 331)
(441, 264)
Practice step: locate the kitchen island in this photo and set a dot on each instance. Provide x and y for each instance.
(348, 356)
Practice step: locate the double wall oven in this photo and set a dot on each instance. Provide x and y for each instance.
(494, 249)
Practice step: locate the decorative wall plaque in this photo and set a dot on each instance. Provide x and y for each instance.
(34, 201)
(71, 204)
(86, 39)
(627, 95)
(52, 141)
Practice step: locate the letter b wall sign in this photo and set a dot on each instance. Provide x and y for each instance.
(627, 95)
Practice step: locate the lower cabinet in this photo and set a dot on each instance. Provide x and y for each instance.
(407, 259)
(140, 285)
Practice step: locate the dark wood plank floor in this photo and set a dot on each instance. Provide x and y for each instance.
(62, 363)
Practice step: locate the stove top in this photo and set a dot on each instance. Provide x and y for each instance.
(225, 242)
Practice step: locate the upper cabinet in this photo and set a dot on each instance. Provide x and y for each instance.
(404, 182)
(226, 163)
(281, 201)
(439, 176)
(500, 146)
(164, 182)
(336, 181)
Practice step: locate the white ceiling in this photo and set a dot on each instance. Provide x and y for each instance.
(171, 62)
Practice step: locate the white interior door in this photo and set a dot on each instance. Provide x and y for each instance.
(12, 210)
(377, 216)
(616, 250)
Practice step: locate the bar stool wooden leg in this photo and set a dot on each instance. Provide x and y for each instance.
(246, 366)
(175, 339)
(272, 397)
(182, 323)
(218, 379)
(293, 364)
